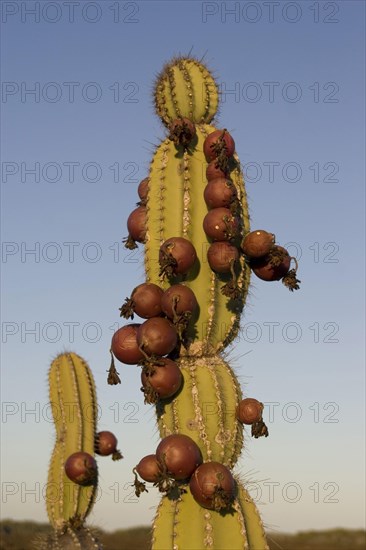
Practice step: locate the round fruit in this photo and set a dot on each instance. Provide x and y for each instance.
(218, 143)
(178, 299)
(182, 131)
(81, 468)
(220, 192)
(148, 468)
(265, 270)
(179, 455)
(143, 189)
(157, 336)
(145, 301)
(164, 381)
(257, 243)
(136, 224)
(213, 486)
(213, 171)
(249, 411)
(124, 344)
(221, 255)
(220, 225)
(106, 444)
(176, 256)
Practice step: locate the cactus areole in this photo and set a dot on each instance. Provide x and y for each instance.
(196, 219)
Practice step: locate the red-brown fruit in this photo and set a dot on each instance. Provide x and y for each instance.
(136, 224)
(148, 468)
(181, 254)
(257, 243)
(265, 270)
(143, 189)
(220, 192)
(213, 171)
(179, 297)
(182, 131)
(106, 444)
(220, 225)
(157, 336)
(180, 455)
(81, 468)
(221, 255)
(164, 382)
(147, 300)
(218, 142)
(124, 345)
(213, 486)
(249, 411)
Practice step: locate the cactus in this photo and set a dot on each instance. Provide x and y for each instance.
(74, 409)
(206, 407)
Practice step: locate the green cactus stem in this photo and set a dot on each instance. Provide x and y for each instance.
(74, 409)
(176, 208)
(182, 524)
(205, 409)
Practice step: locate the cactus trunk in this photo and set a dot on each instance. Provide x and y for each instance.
(74, 408)
(205, 407)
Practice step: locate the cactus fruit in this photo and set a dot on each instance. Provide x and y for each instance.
(74, 409)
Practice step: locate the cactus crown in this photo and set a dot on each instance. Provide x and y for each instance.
(185, 88)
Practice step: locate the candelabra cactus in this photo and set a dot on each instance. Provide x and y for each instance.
(193, 220)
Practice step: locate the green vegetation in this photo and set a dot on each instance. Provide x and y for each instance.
(16, 535)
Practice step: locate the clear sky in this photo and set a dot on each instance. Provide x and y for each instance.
(292, 81)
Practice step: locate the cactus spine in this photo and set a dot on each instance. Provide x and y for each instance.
(205, 408)
(74, 409)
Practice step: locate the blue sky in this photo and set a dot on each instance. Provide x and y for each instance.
(292, 81)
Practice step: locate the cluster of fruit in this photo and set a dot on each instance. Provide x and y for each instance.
(178, 461)
(81, 467)
(222, 223)
(167, 315)
(269, 261)
(155, 343)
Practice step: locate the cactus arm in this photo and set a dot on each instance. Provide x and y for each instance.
(73, 398)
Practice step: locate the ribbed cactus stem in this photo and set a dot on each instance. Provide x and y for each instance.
(74, 408)
(176, 207)
(182, 524)
(205, 409)
(185, 88)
